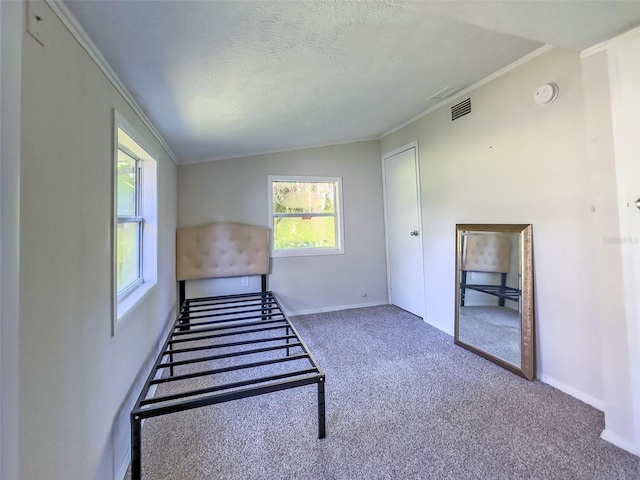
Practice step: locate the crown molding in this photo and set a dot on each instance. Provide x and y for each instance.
(594, 50)
(604, 46)
(278, 150)
(493, 76)
(70, 21)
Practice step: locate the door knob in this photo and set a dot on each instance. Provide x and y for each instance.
(414, 233)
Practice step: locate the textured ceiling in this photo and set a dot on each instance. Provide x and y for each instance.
(225, 79)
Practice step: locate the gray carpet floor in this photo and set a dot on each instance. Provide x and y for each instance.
(403, 402)
(495, 330)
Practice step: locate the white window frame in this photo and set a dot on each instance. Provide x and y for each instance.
(147, 216)
(338, 217)
(135, 218)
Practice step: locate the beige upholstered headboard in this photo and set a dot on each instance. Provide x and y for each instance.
(486, 253)
(223, 249)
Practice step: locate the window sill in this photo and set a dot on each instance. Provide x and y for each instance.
(306, 253)
(124, 306)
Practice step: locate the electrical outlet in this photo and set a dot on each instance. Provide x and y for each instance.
(244, 282)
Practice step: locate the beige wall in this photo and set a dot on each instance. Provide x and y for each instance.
(75, 378)
(11, 18)
(510, 161)
(236, 190)
(513, 161)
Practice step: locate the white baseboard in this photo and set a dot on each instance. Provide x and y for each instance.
(574, 392)
(449, 330)
(292, 313)
(620, 442)
(124, 467)
(126, 458)
(121, 469)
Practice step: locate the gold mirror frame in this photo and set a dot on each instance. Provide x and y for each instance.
(527, 368)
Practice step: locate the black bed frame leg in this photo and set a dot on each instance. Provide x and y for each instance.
(321, 408)
(182, 298)
(266, 312)
(288, 330)
(463, 286)
(503, 289)
(136, 459)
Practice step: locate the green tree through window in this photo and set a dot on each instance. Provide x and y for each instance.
(305, 215)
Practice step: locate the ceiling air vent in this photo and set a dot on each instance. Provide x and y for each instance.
(461, 109)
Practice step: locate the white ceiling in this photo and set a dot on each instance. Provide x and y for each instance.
(224, 79)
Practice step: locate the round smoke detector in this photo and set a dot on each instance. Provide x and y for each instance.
(546, 94)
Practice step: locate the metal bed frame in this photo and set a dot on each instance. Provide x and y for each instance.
(501, 291)
(487, 253)
(246, 336)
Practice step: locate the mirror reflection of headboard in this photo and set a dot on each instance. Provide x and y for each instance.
(486, 253)
(497, 320)
(489, 253)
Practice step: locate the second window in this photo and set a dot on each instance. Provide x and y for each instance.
(305, 215)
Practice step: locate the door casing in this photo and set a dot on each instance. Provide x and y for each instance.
(414, 146)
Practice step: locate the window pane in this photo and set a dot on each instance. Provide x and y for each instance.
(126, 184)
(128, 254)
(303, 197)
(301, 232)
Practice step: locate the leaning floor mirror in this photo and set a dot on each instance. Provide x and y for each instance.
(494, 294)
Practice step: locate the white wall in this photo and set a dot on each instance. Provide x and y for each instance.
(75, 379)
(11, 18)
(621, 332)
(236, 190)
(613, 333)
(513, 161)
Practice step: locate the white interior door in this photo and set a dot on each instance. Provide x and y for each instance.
(403, 229)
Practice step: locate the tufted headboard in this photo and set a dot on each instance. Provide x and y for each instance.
(486, 253)
(223, 249)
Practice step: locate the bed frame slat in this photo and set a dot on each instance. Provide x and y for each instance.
(248, 317)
